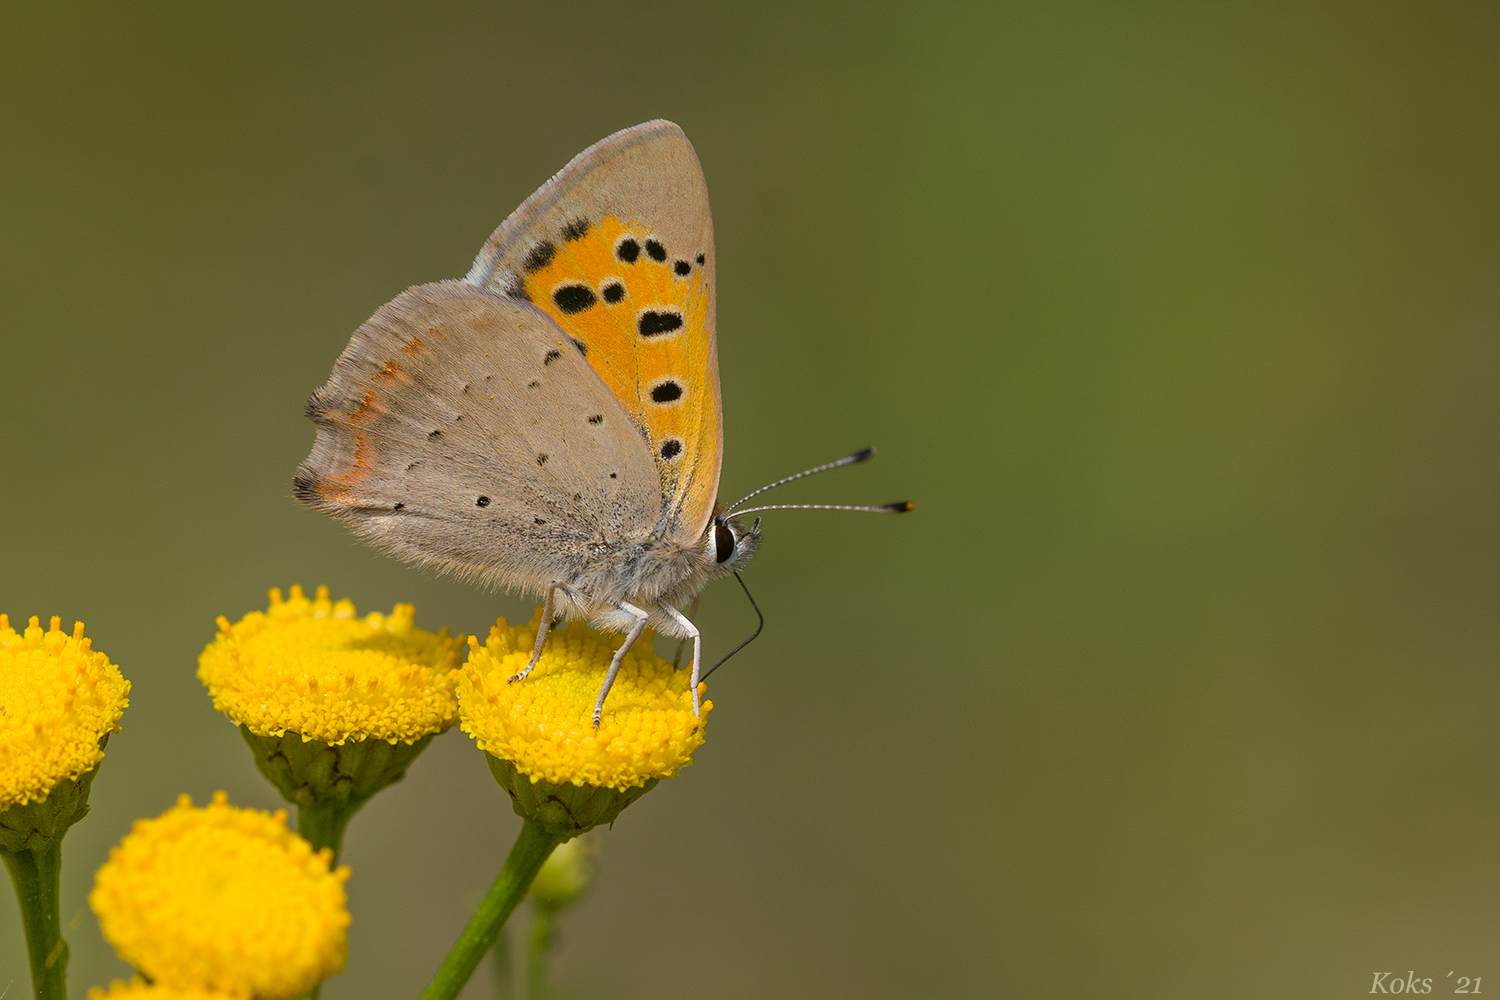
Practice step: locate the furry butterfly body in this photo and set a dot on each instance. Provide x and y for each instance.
(551, 423)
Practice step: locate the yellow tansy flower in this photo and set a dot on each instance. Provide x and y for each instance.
(58, 701)
(139, 989)
(538, 734)
(223, 899)
(314, 668)
(564, 776)
(544, 725)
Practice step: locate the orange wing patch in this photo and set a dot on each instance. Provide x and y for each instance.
(638, 310)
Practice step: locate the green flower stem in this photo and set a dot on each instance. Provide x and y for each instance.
(539, 950)
(322, 824)
(532, 848)
(37, 875)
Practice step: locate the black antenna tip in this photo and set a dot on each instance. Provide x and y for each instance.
(901, 508)
(861, 455)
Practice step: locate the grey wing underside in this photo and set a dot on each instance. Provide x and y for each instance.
(464, 430)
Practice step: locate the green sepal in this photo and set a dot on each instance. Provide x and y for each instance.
(328, 783)
(565, 810)
(33, 826)
(312, 772)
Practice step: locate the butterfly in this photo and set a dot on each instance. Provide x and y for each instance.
(551, 422)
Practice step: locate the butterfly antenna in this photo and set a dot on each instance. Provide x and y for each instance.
(854, 459)
(716, 666)
(901, 507)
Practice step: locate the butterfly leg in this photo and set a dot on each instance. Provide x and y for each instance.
(692, 613)
(549, 608)
(692, 630)
(614, 665)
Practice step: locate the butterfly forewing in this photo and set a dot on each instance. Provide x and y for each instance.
(462, 428)
(618, 250)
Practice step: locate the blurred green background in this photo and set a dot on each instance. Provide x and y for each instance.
(1179, 323)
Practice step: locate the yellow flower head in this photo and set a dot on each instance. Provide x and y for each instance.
(223, 899)
(139, 989)
(58, 700)
(314, 668)
(544, 725)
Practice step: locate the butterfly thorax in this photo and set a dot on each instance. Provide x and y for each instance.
(646, 573)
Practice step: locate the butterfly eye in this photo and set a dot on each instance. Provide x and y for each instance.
(724, 543)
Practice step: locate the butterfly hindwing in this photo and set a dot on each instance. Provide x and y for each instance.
(464, 429)
(618, 249)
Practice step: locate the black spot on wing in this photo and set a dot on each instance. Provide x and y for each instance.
(482, 502)
(550, 357)
(682, 268)
(573, 299)
(628, 250)
(666, 392)
(533, 384)
(399, 506)
(576, 230)
(671, 448)
(433, 435)
(597, 418)
(655, 250)
(613, 292)
(699, 259)
(540, 256)
(541, 458)
(537, 520)
(654, 322)
(582, 347)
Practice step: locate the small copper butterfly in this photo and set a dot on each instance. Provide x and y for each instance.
(551, 422)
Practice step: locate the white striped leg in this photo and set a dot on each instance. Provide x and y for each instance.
(692, 630)
(549, 608)
(614, 665)
(692, 613)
